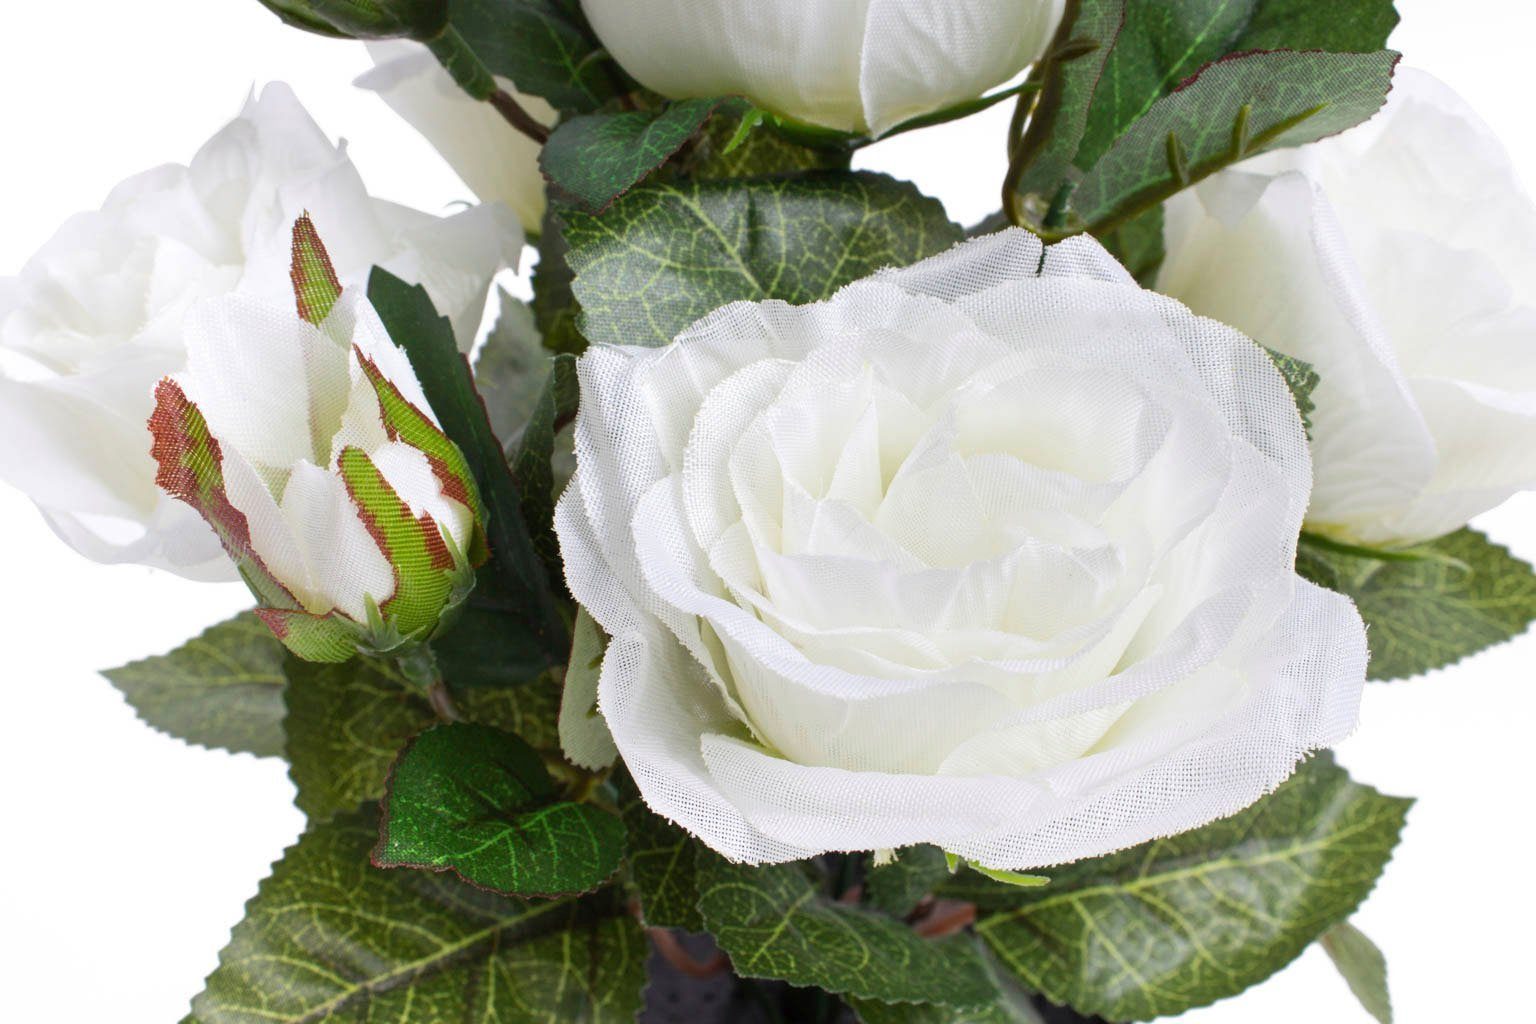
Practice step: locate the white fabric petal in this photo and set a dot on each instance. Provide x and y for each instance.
(497, 162)
(1406, 279)
(919, 57)
(343, 562)
(798, 58)
(101, 312)
(994, 552)
(856, 66)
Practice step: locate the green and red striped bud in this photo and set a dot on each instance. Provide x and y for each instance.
(303, 438)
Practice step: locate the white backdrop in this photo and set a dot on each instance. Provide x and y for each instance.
(126, 856)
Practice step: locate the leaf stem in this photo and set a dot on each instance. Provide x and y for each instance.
(517, 117)
(460, 61)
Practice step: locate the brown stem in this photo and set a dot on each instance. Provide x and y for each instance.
(673, 953)
(442, 702)
(946, 918)
(517, 117)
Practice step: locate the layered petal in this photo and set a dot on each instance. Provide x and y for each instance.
(102, 311)
(863, 66)
(1405, 279)
(985, 552)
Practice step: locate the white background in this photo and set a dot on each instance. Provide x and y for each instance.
(125, 856)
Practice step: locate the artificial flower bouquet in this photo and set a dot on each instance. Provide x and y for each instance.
(805, 608)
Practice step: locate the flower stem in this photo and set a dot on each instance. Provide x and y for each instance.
(460, 61)
(419, 666)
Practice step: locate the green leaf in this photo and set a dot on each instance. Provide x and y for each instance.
(665, 255)
(722, 152)
(1362, 966)
(584, 735)
(1006, 1004)
(545, 47)
(532, 461)
(1138, 245)
(555, 309)
(510, 369)
(221, 689)
(478, 801)
(347, 722)
(1069, 80)
(773, 923)
(898, 887)
(1114, 60)
(364, 19)
(662, 867)
(1354, 26)
(596, 158)
(1302, 380)
(1163, 44)
(327, 938)
(1185, 921)
(521, 583)
(1238, 107)
(1430, 605)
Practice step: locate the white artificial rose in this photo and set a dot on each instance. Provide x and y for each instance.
(994, 552)
(1399, 259)
(497, 162)
(852, 65)
(95, 317)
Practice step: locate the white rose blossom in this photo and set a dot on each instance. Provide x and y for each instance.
(496, 161)
(995, 552)
(852, 65)
(95, 317)
(1399, 259)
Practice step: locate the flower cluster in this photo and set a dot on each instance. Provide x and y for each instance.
(1064, 543)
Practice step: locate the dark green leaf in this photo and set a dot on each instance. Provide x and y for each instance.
(1138, 245)
(545, 47)
(773, 924)
(898, 887)
(223, 688)
(1105, 113)
(595, 158)
(1006, 1004)
(1362, 966)
(1182, 922)
(759, 153)
(347, 722)
(327, 938)
(555, 309)
(1235, 108)
(532, 463)
(1354, 26)
(1067, 99)
(1430, 605)
(1163, 44)
(510, 370)
(665, 255)
(522, 585)
(478, 801)
(364, 19)
(1302, 380)
(661, 867)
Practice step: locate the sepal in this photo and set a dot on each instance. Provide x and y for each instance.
(328, 639)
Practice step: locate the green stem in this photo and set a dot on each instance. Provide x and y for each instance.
(419, 666)
(1317, 540)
